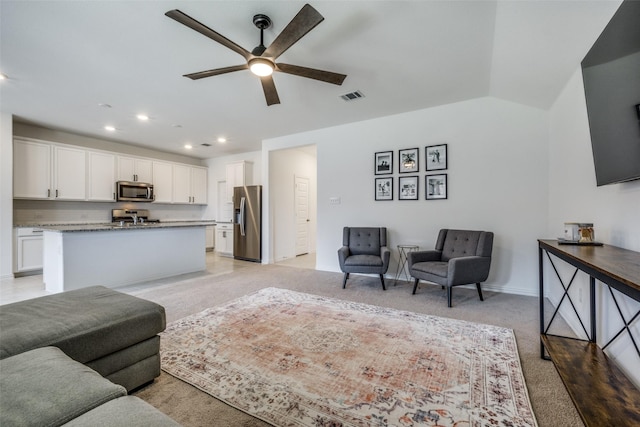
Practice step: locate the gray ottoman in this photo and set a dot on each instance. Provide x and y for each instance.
(111, 332)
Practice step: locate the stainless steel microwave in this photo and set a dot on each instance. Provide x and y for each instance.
(128, 191)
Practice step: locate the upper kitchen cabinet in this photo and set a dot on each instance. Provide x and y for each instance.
(238, 174)
(163, 182)
(31, 169)
(102, 177)
(69, 173)
(53, 171)
(199, 185)
(45, 171)
(135, 169)
(189, 184)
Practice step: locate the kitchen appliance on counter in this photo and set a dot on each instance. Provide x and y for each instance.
(132, 216)
(128, 191)
(247, 223)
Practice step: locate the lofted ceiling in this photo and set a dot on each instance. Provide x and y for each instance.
(63, 59)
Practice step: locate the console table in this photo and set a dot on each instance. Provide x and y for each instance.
(601, 392)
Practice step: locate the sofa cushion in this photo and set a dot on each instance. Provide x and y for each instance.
(128, 411)
(86, 324)
(44, 387)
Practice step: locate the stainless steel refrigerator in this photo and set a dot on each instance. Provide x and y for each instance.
(247, 223)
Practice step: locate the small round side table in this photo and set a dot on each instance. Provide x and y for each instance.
(403, 250)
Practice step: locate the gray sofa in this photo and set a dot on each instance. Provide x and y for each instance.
(72, 357)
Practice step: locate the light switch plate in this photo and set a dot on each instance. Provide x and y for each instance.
(334, 200)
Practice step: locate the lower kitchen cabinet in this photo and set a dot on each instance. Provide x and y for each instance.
(210, 237)
(28, 250)
(224, 239)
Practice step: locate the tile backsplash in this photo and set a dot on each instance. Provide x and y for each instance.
(32, 212)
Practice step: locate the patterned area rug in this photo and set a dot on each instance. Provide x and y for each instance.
(294, 359)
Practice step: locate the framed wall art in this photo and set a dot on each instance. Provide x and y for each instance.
(436, 186)
(384, 162)
(384, 188)
(436, 157)
(408, 160)
(408, 188)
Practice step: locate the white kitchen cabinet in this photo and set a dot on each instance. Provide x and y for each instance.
(210, 237)
(102, 177)
(224, 239)
(163, 182)
(51, 171)
(199, 185)
(69, 173)
(189, 184)
(135, 169)
(31, 169)
(181, 184)
(48, 171)
(28, 249)
(238, 174)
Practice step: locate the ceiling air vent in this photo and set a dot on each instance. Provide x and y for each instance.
(206, 144)
(352, 96)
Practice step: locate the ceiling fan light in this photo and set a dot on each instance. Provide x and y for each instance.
(261, 67)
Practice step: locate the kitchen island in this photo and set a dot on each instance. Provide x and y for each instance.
(80, 255)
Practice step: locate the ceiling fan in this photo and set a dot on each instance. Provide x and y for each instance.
(261, 60)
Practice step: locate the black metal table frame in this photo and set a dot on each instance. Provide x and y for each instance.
(594, 275)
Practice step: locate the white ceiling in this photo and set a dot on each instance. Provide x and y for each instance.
(64, 58)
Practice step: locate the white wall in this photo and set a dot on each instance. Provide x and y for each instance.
(497, 181)
(6, 195)
(614, 210)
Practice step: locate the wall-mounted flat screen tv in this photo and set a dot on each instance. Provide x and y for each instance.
(611, 75)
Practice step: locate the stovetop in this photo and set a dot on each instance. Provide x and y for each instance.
(127, 215)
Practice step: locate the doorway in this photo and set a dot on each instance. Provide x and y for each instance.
(292, 200)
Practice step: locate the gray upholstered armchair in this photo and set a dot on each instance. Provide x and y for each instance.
(461, 257)
(364, 250)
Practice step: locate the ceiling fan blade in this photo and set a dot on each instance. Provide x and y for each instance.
(312, 73)
(216, 72)
(301, 24)
(185, 19)
(270, 92)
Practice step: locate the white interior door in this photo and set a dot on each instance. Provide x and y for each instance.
(302, 215)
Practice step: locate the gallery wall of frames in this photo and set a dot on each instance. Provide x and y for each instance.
(409, 163)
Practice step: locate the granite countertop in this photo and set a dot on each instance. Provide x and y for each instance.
(109, 226)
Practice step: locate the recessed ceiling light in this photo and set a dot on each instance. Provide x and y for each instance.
(110, 128)
(103, 105)
(176, 126)
(142, 117)
(222, 140)
(3, 77)
(188, 146)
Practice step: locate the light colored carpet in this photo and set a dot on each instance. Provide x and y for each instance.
(293, 358)
(192, 407)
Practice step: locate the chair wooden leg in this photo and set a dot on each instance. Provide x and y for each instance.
(479, 291)
(415, 286)
(382, 280)
(449, 288)
(344, 281)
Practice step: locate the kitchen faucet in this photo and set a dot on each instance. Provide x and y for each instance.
(135, 218)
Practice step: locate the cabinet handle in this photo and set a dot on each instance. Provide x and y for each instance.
(48, 192)
(56, 193)
(114, 196)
